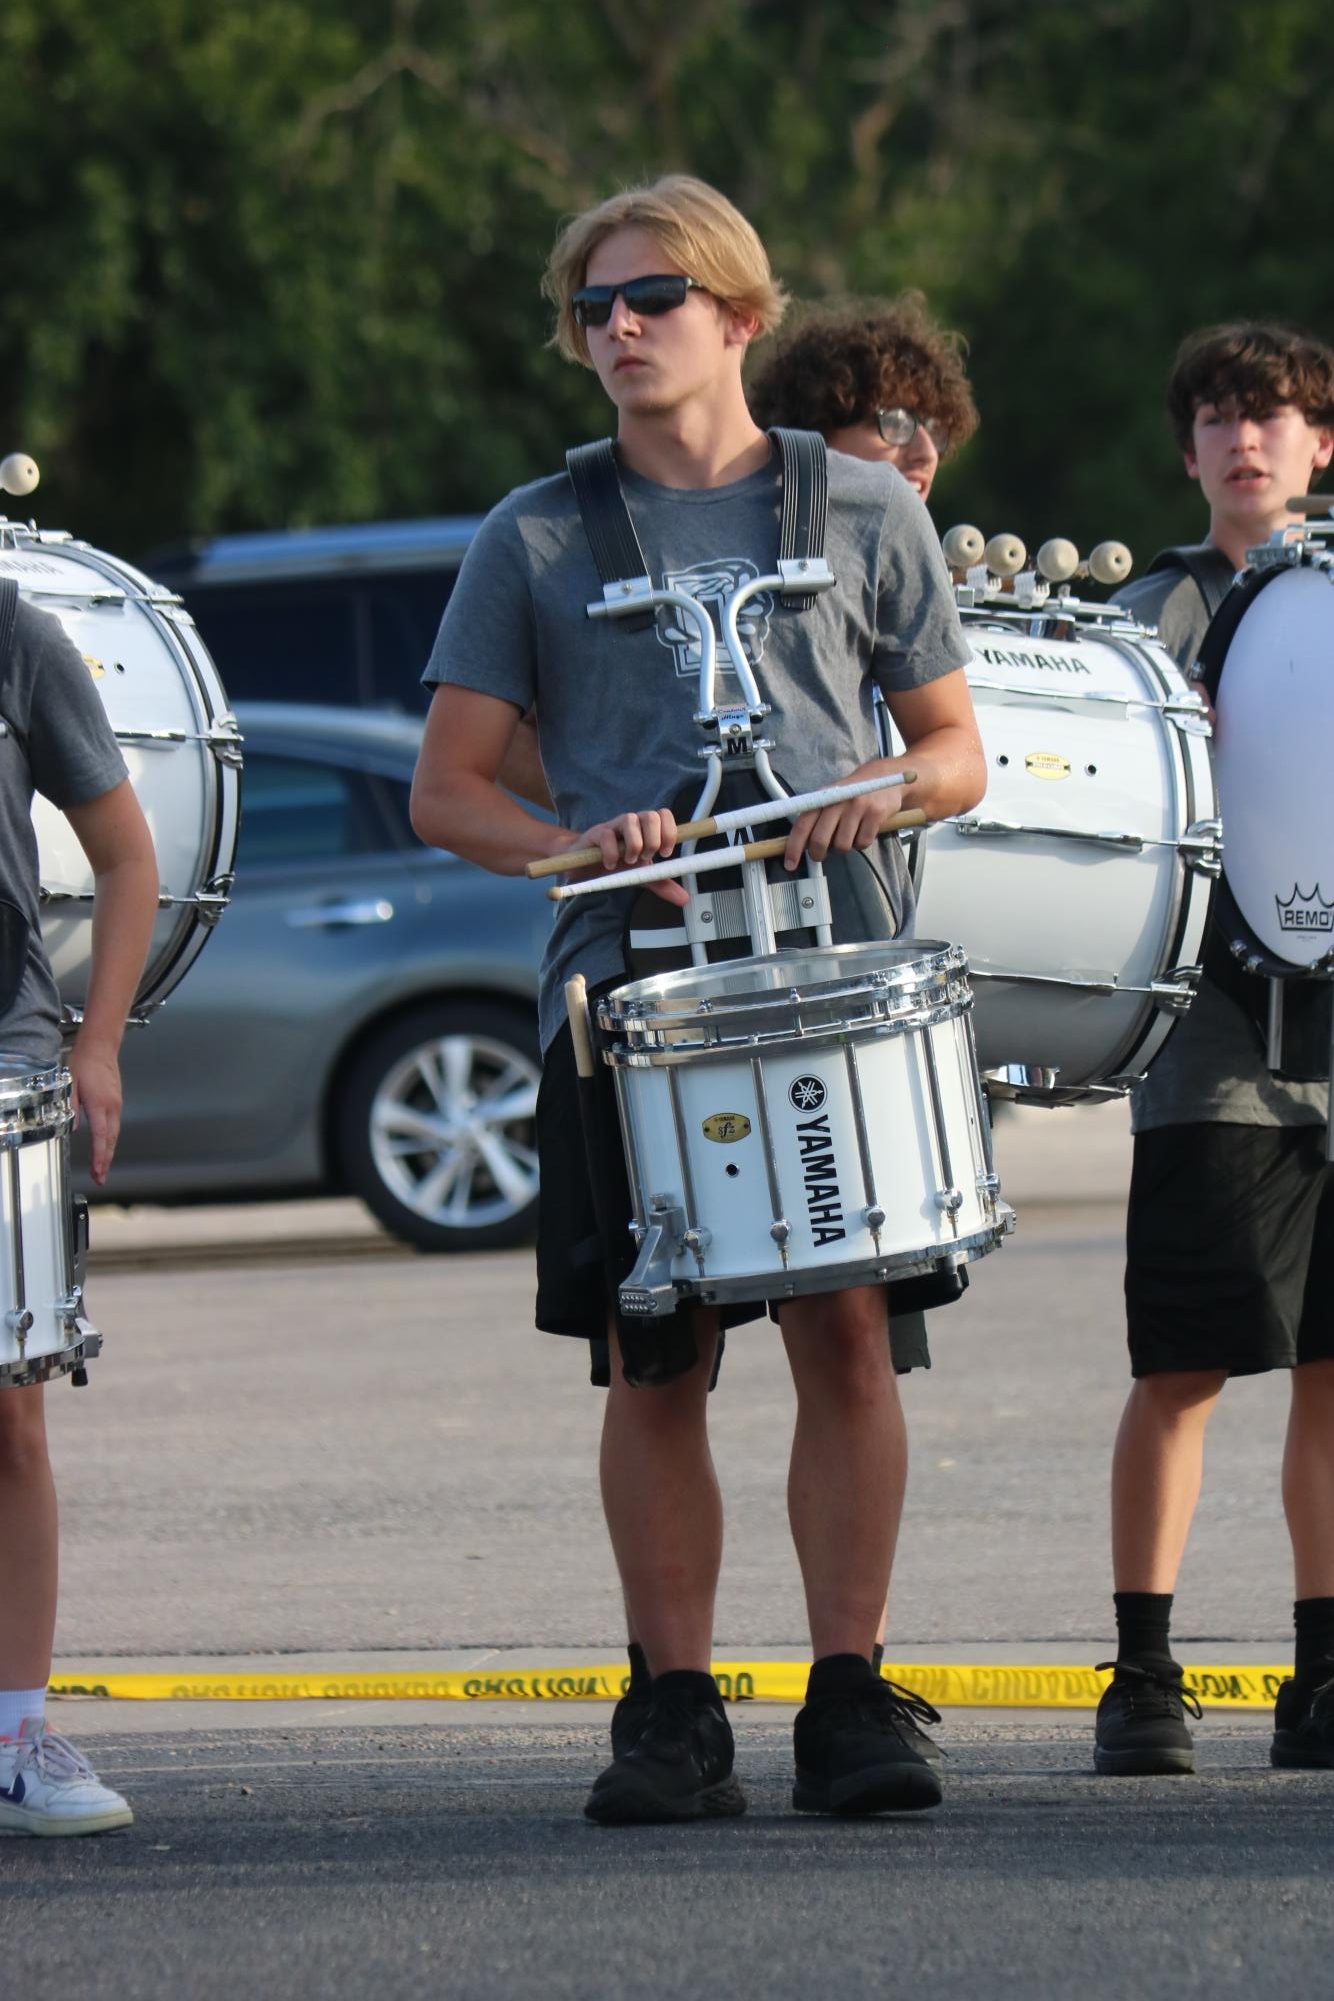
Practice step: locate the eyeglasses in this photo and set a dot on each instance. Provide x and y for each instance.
(900, 427)
(646, 298)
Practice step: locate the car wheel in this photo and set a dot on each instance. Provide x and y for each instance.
(437, 1126)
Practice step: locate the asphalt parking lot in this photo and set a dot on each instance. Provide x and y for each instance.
(304, 1446)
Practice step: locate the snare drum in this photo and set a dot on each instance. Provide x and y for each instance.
(1080, 887)
(801, 1123)
(167, 707)
(42, 1329)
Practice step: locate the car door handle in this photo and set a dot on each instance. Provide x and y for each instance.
(336, 916)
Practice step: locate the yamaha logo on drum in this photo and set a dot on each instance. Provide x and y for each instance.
(1305, 910)
(819, 1172)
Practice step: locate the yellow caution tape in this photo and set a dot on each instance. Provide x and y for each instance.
(948, 1685)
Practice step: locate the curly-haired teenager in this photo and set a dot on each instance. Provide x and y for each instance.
(881, 381)
(1230, 1229)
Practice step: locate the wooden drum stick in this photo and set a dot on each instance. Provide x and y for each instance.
(576, 1007)
(740, 816)
(700, 864)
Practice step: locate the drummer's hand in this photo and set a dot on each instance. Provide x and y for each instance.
(632, 838)
(96, 1074)
(857, 823)
(1198, 687)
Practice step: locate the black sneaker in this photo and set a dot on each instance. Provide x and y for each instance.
(629, 1717)
(913, 1706)
(679, 1767)
(1304, 1722)
(1141, 1724)
(857, 1752)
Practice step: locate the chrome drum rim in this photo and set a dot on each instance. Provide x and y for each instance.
(453, 1131)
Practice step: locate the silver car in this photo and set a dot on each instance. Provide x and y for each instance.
(364, 1019)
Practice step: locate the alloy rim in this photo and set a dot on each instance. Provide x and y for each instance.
(453, 1131)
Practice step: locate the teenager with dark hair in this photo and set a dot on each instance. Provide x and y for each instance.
(1230, 1230)
(878, 381)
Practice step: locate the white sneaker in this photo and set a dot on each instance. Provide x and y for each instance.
(47, 1787)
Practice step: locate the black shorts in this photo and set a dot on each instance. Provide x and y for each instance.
(1230, 1249)
(585, 1248)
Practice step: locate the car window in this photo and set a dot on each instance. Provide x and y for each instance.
(296, 809)
(404, 614)
(283, 643)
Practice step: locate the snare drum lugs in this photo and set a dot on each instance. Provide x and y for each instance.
(801, 1123)
(167, 707)
(43, 1332)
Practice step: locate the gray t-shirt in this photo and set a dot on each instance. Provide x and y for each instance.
(615, 708)
(54, 739)
(1211, 1070)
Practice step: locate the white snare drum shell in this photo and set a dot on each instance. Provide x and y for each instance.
(852, 1153)
(36, 1252)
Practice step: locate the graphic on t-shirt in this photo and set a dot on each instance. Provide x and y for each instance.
(711, 584)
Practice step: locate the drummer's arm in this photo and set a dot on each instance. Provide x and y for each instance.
(114, 835)
(939, 730)
(521, 767)
(457, 803)
(938, 726)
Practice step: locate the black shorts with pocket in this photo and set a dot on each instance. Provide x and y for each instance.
(1230, 1249)
(585, 1248)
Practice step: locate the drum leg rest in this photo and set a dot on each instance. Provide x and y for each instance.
(934, 1288)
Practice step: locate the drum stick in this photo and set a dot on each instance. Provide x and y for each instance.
(740, 816)
(1312, 503)
(701, 864)
(576, 1007)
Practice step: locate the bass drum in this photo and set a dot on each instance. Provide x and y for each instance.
(1268, 663)
(166, 705)
(1080, 887)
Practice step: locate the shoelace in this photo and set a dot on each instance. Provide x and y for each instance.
(887, 1706)
(1148, 1693)
(54, 1757)
(915, 1705)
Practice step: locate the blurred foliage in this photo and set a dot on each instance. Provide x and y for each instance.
(274, 263)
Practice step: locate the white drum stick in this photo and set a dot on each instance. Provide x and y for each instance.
(741, 816)
(700, 864)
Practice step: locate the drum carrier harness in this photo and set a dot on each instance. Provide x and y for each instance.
(743, 904)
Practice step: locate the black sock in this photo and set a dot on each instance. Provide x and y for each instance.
(1143, 1619)
(1314, 1620)
(838, 1674)
(640, 1678)
(877, 1657)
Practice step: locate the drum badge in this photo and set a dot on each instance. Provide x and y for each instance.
(726, 1127)
(1305, 910)
(1047, 764)
(94, 666)
(712, 584)
(806, 1094)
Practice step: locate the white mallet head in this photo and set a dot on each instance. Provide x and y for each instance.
(963, 546)
(18, 473)
(1110, 563)
(1058, 560)
(1005, 555)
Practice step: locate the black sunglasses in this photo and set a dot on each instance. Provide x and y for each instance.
(645, 297)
